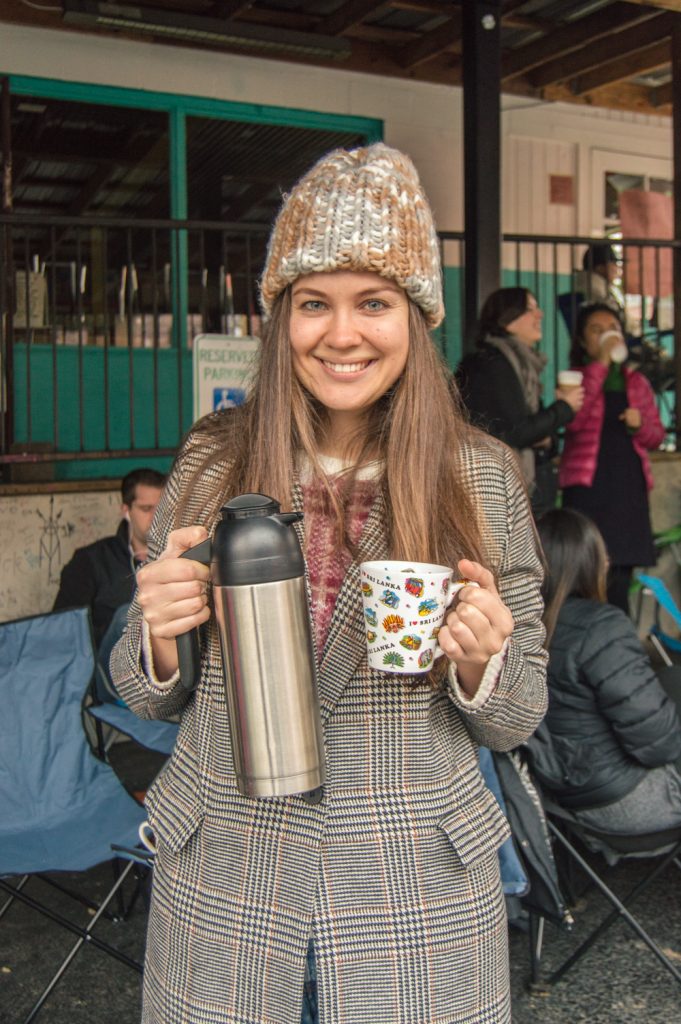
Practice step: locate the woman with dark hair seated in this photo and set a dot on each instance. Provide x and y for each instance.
(604, 469)
(500, 384)
(614, 730)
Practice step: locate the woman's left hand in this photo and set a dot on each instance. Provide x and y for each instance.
(476, 627)
(631, 418)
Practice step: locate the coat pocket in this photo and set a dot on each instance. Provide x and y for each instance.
(475, 829)
(174, 813)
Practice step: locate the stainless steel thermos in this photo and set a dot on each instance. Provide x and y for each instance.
(261, 608)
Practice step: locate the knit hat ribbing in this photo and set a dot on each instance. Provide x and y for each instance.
(361, 209)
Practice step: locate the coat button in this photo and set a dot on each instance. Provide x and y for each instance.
(314, 796)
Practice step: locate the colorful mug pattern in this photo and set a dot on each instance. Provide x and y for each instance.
(404, 607)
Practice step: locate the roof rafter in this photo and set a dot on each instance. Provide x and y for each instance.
(617, 45)
(647, 59)
(351, 13)
(569, 37)
(432, 43)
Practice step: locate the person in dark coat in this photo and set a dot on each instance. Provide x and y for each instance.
(615, 732)
(500, 384)
(101, 576)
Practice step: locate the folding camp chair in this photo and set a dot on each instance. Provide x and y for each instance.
(666, 645)
(575, 839)
(111, 715)
(60, 807)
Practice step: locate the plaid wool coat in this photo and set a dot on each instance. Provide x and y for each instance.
(395, 871)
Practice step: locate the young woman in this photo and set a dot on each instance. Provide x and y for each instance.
(614, 730)
(605, 469)
(381, 898)
(500, 384)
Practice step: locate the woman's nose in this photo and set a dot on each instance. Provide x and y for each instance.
(342, 330)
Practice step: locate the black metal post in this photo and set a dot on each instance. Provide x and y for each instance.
(7, 284)
(676, 137)
(482, 154)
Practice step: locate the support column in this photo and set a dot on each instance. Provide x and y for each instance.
(482, 154)
(676, 137)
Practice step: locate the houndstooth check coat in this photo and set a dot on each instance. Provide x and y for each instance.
(395, 871)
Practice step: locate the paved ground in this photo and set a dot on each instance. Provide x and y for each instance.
(619, 982)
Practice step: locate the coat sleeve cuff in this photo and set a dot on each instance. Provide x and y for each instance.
(488, 683)
(148, 664)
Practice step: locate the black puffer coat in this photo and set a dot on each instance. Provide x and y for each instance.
(609, 718)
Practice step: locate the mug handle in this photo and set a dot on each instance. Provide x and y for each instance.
(453, 588)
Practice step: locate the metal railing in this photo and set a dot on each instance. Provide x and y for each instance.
(98, 318)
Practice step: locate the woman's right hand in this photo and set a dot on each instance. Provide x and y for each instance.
(605, 352)
(172, 593)
(573, 396)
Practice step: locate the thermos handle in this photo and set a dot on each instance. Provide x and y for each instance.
(188, 649)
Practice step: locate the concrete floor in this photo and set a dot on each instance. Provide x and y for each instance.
(619, 982)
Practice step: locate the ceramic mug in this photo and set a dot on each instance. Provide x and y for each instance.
(404, 608)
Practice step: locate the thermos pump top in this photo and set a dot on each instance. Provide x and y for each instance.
(263, 621)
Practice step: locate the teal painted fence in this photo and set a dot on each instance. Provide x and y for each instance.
(87, 383)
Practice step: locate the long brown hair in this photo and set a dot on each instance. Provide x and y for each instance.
(576, 561)
(417, 429)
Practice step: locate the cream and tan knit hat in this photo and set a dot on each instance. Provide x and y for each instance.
(361, 209)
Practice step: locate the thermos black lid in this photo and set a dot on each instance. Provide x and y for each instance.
(247, 505)
(254, 544)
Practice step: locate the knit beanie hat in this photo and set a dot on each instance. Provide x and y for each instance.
(361, 209)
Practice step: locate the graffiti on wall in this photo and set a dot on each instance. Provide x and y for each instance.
(38, 535)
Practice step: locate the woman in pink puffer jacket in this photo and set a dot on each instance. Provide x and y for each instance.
(605, 469)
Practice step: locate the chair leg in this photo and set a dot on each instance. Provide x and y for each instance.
(85, 937)
(536, 939)
(17, 888)
(619, 911)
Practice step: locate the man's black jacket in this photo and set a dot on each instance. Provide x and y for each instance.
(100, 576)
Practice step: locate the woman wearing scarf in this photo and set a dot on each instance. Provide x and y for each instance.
(500, 383)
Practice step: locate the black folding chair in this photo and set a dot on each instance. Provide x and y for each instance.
(577, 841)
(60, 807)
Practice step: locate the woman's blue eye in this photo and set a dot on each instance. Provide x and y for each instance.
(375, 304)
(313, 304)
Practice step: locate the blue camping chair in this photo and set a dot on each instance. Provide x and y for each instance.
(60, 807)
(665, 644)
(111, 714)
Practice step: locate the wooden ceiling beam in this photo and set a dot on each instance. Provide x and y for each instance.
(649, 59)
(667, 5)
(227, 9)
(616, 46)
(663, 95)
(621, 96)
(569, 37)
(352, 13)
(432, 43)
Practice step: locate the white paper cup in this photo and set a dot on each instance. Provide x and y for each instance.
(570, 378)
(404, 608)
(619, 352)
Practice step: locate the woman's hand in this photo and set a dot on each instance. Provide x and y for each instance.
(476, 627)
(573, 396)
(172, 593)
(631, 418)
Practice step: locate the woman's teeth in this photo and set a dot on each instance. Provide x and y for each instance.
(346, 367)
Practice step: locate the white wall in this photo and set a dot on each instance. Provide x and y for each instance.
(38, 535)
(425, 120)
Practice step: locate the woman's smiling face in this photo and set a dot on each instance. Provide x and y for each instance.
(349, 334)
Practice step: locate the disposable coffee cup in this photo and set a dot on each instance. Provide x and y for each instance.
(568, 379)
(404, 608)
(619, 352)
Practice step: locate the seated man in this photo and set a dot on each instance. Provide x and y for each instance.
(593, 283)
(101, 575)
